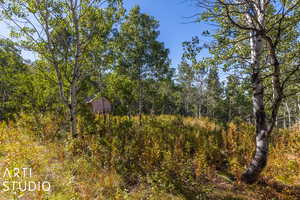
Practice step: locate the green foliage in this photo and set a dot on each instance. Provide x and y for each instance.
(13, 77)
(167, 157)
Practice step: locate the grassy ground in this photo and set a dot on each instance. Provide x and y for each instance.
(164, 157)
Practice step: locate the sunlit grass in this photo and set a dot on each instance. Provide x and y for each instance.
(161, 157)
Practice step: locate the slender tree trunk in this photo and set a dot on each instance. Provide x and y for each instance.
(289, 114)
(259, 160)
(73, 114)
(76, 68)
(261, 153)
(297, 108)
(298, 102)
(140, 102)
(229, 111)
(73, 103)
(284, 120)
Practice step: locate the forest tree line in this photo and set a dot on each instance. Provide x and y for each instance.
(129, 65)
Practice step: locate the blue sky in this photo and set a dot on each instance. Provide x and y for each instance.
(173, 16)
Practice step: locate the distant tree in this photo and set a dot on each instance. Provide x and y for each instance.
(214, 94)
(186, 79)
(237, 102)
(191, 77)
(119, 89)
(141, 56)
(12, 78)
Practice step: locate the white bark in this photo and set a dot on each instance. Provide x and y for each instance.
(289, 114)
(298, 102)
(256, 45)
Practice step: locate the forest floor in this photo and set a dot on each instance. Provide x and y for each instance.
(273, 190)
(148, 162)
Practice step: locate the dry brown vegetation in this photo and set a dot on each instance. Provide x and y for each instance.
(166, 157)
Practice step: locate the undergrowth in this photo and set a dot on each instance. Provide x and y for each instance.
(161, 157)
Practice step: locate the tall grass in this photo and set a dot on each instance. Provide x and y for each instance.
(164, 157)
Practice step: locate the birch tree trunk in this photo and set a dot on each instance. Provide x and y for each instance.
(259, 160)
(261, 153)
(284, 120)
(289, 114)
(298, 102)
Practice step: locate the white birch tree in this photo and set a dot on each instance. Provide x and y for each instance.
(253, 36)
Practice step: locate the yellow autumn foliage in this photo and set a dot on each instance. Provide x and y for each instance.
(161, 157)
